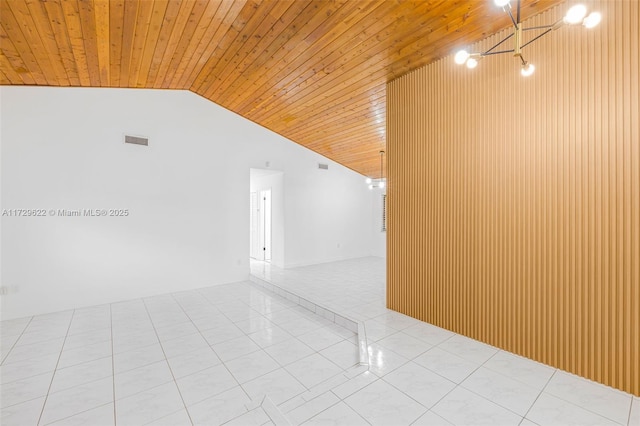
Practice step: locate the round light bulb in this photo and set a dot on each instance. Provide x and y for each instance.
(501, 3)
(527, 70)
(472, 63)
(381, 184)
(592, 20)
(368, 180)
(461, 57)
(575, 14)
(370, 186)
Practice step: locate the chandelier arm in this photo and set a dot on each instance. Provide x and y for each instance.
(498, 44)
(515, 24)
(497, 53)
(540, 27)
(537, 37)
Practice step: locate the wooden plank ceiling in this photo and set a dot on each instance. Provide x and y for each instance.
(314, 71)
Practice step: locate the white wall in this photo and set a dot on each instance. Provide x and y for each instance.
(61, 148)
(274, 182)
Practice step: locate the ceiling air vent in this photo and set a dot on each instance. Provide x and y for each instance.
(323, 166)
(136, 140)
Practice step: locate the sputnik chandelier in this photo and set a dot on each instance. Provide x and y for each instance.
(576, 15)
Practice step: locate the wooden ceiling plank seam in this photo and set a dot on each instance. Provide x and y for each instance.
(14, 60)
(344, 120)
(170, 17)
(155, 26)
(10, 73)
(315, 93)
(116, 24)
(242, 21)
(35, 23)
(365, 59)
(372, 166)
(71, 16)
(343, 132)
(349, 135)
(4, 80)
(96, 22)
(295, 48)
(422, 46)
(485, 26)
(333, 117)
(390, 31)
(179, 32)
(327, 117)
(293, 62)
(317, 98)
(89, 37)
(143, 21)
(130, 22)
(58, 28)
(258, 63)
(196, 42)
(273, 22)
(318, 62)
(373, 100)
(230, 32)
(23, 44)
(348, 142)
(215, 30)
(368, 150)
(287, 58)
(364, 146)
(202, 12)
(256, 44)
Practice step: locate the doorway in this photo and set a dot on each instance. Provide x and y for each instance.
(266, 216)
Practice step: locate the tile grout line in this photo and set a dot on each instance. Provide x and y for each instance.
(44, 404)
(357, 323)
(252, 400)
(260, 282)
(165, 360)
(484, 397)
(16, 342)
(539, 394)
(261, 349)
(209, 344)
(307, 389)
(579, 406)
(322, 411)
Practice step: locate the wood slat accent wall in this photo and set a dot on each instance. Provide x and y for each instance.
(514, 203)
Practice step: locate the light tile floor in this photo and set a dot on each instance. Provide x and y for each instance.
(422, 374)
(209, 356)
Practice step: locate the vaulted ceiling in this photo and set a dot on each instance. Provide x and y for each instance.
(314, 71)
